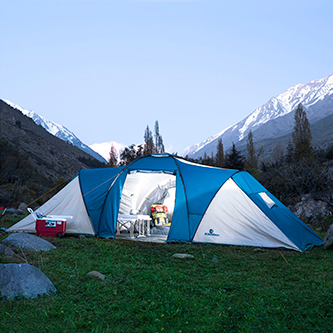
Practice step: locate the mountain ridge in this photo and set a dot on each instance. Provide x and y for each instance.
(57, 130)
(50, 156)
(278, 109)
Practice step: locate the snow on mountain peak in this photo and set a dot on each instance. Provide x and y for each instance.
(50, 126)
(306, 94)
(104, 148)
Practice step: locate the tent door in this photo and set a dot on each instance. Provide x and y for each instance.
(141, 190)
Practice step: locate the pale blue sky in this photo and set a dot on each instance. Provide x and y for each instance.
(106, 69)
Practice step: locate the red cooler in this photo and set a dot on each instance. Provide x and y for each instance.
(50, 227)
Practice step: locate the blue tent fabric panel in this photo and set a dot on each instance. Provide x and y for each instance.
(297, 231)
(201, 185)
(179, 230)
(248, 183)
(158, 162)
(95, 184)
(108, 221)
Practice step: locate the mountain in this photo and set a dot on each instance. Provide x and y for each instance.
(48, 156)
(57, 130)
(275, 119)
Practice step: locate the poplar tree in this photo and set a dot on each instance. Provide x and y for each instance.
(219, 158)
(302, 136)
(277, 153)
(252, 158)
(112, 157)
(148, 142)
(159, 146)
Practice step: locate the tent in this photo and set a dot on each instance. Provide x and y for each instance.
(206, 204)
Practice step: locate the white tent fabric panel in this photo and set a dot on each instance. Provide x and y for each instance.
(170, 202)
(232, 218)
(68, 201)
(138, 187)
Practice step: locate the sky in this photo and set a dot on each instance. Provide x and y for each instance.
(107, 69)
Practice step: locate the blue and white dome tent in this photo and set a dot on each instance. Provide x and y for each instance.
(207, 204)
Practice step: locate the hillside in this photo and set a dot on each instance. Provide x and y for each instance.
(47, 158)
(57, 130)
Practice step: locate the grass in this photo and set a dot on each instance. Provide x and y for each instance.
(147, 290)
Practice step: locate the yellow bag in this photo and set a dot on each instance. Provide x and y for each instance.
(158, 213)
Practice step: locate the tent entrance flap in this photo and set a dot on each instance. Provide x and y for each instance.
(141, 190)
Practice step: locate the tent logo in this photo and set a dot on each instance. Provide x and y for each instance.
(211, 233)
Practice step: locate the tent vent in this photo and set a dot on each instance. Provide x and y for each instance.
(268, 201)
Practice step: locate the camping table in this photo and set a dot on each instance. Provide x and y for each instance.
(142, 220)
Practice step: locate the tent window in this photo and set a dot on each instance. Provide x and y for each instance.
(268, 201)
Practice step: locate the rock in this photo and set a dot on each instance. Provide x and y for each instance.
(328, 240)
(23, 280)
(6, 251)
(29, 242)
(183, 256)
(22, 207)
(82, 236)
(311, 210)
(215, 260)
(10, 211)
(97, 275)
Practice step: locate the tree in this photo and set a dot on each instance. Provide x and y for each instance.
(234, 159)
(148, 142)
(277, 153)
(219, 158)
(302, 135)
(112, 156)
(131, 153)
(289, 153)
(159, 146)
(252, 158)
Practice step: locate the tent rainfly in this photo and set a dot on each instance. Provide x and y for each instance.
(206, 204)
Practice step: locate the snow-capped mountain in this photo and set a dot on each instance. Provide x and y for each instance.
(275, 118)
(104, 148)
(57, 130)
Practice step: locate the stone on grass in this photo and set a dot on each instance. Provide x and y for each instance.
(23, 280)
(29, 242)
(97, 275)
(328, 240)
(183, 256)
(6, 251)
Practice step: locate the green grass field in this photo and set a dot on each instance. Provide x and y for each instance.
(147, 290)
